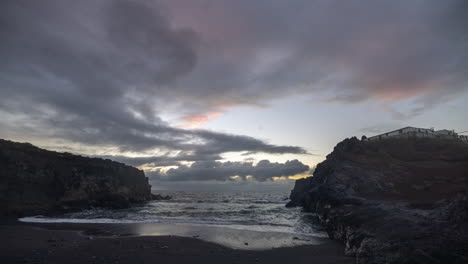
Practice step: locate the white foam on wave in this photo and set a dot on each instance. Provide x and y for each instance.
(41, 219)
(231, 225)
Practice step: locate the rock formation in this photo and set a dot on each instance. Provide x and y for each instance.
(393, 201)
(36, 181)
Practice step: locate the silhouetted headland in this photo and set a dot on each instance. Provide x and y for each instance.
(395, 200)
(36, 181)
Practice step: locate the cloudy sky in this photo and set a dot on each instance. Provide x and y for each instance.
(224, 91)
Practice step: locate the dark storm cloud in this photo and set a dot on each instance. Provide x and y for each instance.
(97, 72)
(350, 51)
(102, 72)
(162, 160)
(223, 171)
(221, 142)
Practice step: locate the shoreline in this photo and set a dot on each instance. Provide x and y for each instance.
(111, 243)
(232, 236)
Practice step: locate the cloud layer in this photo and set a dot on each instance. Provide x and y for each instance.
(97, 73)
(102, 73)
(350, 51)
(224, 171)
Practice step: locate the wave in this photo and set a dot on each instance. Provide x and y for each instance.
(188, 201)
(251, 211)
(258, 227)
(269, 202)
(42, 219)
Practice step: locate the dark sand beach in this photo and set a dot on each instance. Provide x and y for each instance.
(97, 243)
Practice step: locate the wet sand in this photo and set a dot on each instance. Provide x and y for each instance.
(104, 243)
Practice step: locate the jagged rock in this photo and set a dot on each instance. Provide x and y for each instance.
(157, 197)
(298, 193)
(393, 201)
(36, 181)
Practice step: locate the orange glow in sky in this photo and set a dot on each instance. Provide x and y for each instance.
(197, 120)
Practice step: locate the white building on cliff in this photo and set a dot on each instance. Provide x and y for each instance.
(409, 132)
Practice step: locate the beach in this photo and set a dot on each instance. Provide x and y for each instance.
(115, 243)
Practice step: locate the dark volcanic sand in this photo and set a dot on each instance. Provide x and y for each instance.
(66, 243)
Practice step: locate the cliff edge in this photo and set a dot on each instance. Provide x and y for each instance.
(36, 181)
(393, 201)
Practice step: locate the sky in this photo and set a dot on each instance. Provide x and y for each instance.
(241, 93)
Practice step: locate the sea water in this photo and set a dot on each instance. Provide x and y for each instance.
(236, 216)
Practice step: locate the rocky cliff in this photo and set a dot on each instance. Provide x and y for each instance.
(393, 201)
(36, 181)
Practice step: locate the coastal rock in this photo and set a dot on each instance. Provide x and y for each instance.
(36, 181)
(158, 197)
(393, 201)
(297, 197)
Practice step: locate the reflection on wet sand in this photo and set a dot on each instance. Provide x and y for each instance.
(229, 237)
(226, 236)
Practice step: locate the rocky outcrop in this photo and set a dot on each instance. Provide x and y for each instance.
(297, 196)
(393, 201)
(159, 197)
(36, 181)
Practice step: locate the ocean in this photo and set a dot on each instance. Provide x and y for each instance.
(200, 213)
